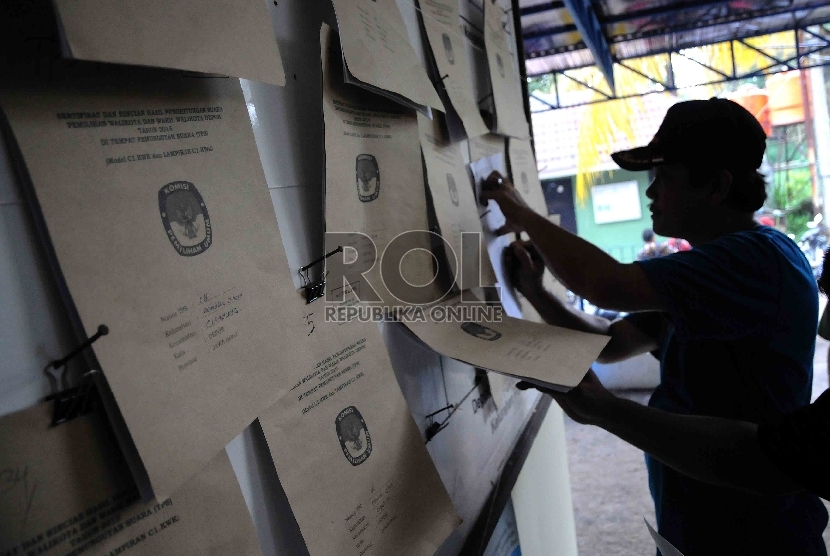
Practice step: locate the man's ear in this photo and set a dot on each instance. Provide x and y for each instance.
(721, 186)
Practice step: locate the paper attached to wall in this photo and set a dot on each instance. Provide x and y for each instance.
(375, 191)
(151, 190)
(228, 37)
(548, 356)
(456, 208)
(507, 87)
(67, 491)
(525, 174)
(446, 39)
(377, 52)
(348, 453)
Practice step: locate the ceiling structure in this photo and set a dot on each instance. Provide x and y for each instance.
(562, 36)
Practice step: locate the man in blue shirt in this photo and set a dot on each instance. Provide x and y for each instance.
(733, 320)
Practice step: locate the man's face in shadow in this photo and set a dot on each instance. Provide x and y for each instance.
(677, 205)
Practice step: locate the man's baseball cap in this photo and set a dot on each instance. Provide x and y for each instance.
(712, 133)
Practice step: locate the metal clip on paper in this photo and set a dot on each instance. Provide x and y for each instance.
(434, 426)
(315, 290)
(71, 402)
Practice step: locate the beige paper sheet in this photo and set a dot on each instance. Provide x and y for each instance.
(66, 490)
(152, 192)
(501, 385)
(378, 52)
(374, 181)
(455, 206)
(486, 145)
(525, 174)
(540, 353)
(348, 454)
(446, 38)
(507, 88)
(229, 37)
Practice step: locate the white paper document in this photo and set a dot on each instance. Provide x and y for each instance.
(228, 37)
(447, 42)
(525, 174)
(375, 191)
(66, 490)
(151, 191)
(547, 356)
(456, 208)
(507, 87)
(348, 453)
(377, 52)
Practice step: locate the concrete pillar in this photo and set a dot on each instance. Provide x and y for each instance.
(821, 130)
(542, 494)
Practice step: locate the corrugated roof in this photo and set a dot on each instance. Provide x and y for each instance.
(645, 27)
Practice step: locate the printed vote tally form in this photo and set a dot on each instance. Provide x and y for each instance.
(66, 491)
(349, 455)
(150, 186)
(456, 208)
(375, 192)
(545, 355)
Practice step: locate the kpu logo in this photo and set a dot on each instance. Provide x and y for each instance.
(448, 48)
(480, 331)
(353, 435)
(453, 189)
(368, 177)
(185, 218)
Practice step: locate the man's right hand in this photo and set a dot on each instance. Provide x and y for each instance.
(528, 275)
(584, 403)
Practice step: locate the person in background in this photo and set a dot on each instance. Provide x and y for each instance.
(777, 458)
(733, 320)
(766, 221)
(651, 248)
(678, 244)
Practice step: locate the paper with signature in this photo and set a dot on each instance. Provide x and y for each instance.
(507, 87)
(66, 490)
(377, 50)
(348, 454)
(548, 356)
(456, 208)
(152, 193)
(446, 39)
(374, 187)
(228, 37)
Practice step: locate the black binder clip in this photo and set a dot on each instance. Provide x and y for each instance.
(434, 426)
(71, 402)
(315, 290)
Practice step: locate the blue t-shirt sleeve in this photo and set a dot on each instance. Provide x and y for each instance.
(726, 289)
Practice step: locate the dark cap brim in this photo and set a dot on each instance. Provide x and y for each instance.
(641, 158)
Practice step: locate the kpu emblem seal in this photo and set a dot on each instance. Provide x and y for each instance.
(368, 177)
(185, 218)
(353, 435)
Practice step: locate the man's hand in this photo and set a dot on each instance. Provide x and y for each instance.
(499, 189)
(529, 268)
(583, 403)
